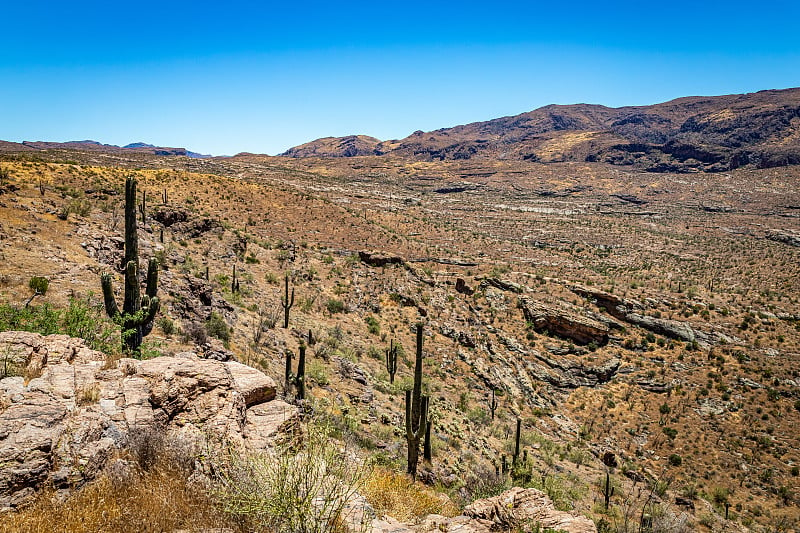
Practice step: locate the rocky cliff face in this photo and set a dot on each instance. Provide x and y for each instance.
(69, 409)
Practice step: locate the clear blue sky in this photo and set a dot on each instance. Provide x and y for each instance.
(227, 77)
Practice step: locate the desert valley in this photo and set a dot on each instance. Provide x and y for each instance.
(606, 304)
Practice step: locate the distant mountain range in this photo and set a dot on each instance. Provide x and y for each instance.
(715, 133)
(88, 145)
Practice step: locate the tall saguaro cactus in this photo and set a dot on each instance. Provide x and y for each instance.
(287, 302)
(138, 311)
(416, 411)
(391, 360)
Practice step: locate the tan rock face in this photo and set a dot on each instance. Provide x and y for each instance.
(69, 411)
(520, 507)
(516, 509)
(570, 325)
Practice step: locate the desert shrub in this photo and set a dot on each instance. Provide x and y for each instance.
(80, 319)
(217, 327)
(675, 459)
(36, 319)
(39, 284)
(373, 326)
(8, 364)
(318, 372)
(303, 486)
(334, 306)
(78, 206)
(89, 322)
(395, 494)
(153, 450)
(482, 482)
(195, 333)
(167, 325)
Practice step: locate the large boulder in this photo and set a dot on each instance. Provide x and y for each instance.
(65, 409)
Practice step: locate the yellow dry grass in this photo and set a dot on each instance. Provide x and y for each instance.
(151, 502)
(394, 494)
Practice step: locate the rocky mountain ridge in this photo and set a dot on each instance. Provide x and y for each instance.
(688, 134)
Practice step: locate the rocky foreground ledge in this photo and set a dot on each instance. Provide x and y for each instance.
(67, 410)
(70, 408)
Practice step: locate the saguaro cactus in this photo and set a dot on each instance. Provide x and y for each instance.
(287, 302)
(391, 360)
(138, 311)
(288, 371)
(427, 452)
(493, 404)
(516, 442)
(300, 378)
(416, 411)
(143, 206)
(608, 491)
(234, 281)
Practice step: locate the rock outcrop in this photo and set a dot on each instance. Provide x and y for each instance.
(379, 259)
(65, 409)
(516, 509)
(564, 323)
(623, 309)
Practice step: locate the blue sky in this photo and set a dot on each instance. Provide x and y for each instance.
(223, 78)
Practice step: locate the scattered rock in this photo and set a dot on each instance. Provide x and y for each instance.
(686, 503)
(461, 337)
(630, 198)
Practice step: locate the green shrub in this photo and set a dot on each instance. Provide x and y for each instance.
(39, 284)
(334, 306)
(317, 372)
(89, 322)
(80, 319)
(167, 325)
(675, 459)
(372, 324)
(217, 327)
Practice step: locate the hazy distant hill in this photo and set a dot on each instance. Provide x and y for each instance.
(693, 133)
(94, 146)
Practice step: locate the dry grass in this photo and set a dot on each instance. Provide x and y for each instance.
(159, 500)
(394, 494)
